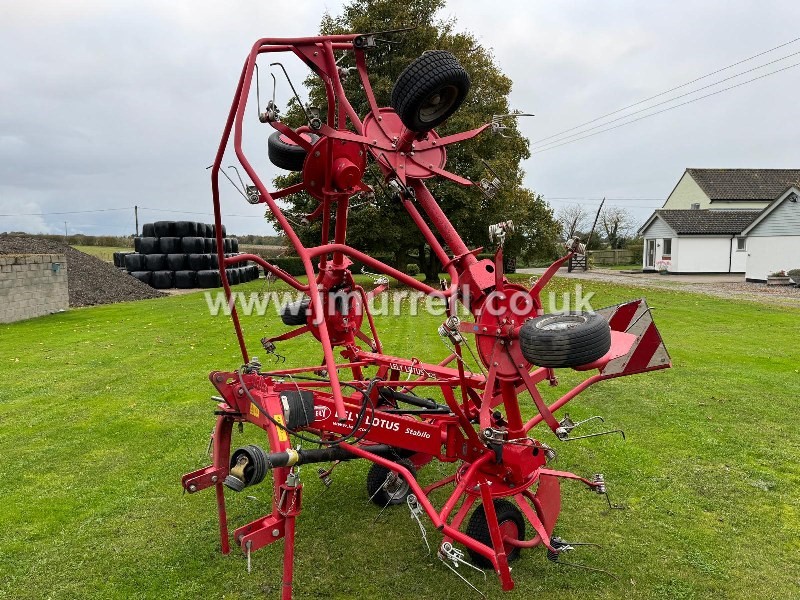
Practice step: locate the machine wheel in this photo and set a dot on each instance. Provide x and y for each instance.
(512, 524)
(429, 90)
(294, 314)
(568, 340)
(395, 491)
(285, 154)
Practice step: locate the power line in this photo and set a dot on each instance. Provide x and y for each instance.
(187, 212)
(593, 203)
(99, 210)
(667, 101)
(68, 212)
(677, 87)
(545, 148)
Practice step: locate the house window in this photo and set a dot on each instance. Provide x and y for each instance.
(696, 206)
(667, 253)
(741, 244)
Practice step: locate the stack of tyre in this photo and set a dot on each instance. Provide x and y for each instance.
(183, 254)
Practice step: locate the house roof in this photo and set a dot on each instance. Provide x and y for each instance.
(745, 184)
(705, 222)
(792, 192)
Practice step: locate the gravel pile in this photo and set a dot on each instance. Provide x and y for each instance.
(90, 280)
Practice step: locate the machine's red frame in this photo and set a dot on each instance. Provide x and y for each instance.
(519, 469)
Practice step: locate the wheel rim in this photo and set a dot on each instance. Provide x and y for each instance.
(560, 323)
(396, 487)
(438, 103)
(509, 529)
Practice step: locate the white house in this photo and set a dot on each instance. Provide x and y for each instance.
(730, 189)
(711, 219)
(773, 238)
(696, 241)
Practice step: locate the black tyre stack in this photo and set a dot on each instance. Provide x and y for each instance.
(182, 254)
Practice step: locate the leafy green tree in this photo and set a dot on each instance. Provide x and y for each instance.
(383, 226)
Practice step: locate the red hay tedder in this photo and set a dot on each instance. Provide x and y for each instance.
(501, 482)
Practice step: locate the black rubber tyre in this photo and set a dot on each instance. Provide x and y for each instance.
(164, 228)
(208, 244)
(285, 154)
(143, 276)
(187, 229)
(185, 280)
(119, 259)
(430, 90)
(294, 313)
(227, 243)
(146, 245)
(135, 262)
(163, 280)
(193, 245)
(155, 262)
(256, 272)
(214, 230)
(508, 517)
(208, 279)
(209, 230)
(169, 245)
(568, 340)
(176, 262)
(244, 274)
(198, 262)
(396, 490)
(234, 244)
(148, 230)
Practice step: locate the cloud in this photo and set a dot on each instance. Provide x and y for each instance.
(110, 105)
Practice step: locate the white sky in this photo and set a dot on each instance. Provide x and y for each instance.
(107, 105)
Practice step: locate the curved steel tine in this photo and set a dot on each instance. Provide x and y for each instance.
(244, 187)
(294, 91)
(233, 183)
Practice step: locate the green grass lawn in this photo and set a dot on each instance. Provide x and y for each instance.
(103, 409)
(105, 253)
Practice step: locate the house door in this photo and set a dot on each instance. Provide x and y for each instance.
(650, 254)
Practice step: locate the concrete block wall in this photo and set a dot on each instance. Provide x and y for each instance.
(32, 285)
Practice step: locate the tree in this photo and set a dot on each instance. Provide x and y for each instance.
(383, 225)
(617, 223)
(573, 220)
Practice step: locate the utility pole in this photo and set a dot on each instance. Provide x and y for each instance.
(65, 232)
(591, 233)
(136, 213)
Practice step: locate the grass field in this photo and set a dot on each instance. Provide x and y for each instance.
(105, 253)
(103, 409)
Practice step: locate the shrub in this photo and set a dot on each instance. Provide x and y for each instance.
(412, 269)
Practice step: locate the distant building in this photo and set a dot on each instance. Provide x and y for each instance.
(727, 221)
(730, 189)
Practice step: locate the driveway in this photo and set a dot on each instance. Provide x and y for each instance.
(724, 285)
